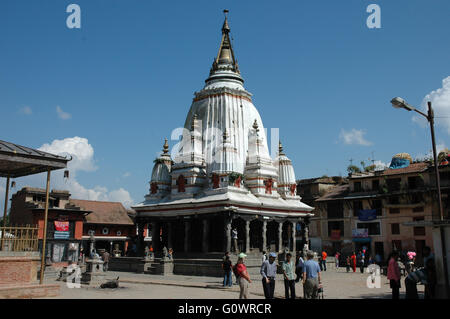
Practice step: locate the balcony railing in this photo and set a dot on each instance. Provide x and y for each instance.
(19, 238)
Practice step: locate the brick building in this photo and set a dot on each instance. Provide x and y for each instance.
(65, 220)
(109, 223)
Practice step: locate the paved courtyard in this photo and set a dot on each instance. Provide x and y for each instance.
(337, 285)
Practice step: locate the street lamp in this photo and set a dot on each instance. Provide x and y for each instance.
(399, 103)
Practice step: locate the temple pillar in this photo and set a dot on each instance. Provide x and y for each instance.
(294, 244)
(280, 236)
(187, 230)
(247, 236)
(264, 235)
(205, 236)
(155, 237)
(227, 229)
(140, 239)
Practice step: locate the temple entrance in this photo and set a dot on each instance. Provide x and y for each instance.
(256, 240)
(287, 236)
(216, 233)
(196, 235)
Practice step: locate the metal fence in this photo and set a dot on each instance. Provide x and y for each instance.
(19, 238)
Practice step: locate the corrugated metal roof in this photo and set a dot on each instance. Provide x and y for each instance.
(17, 160)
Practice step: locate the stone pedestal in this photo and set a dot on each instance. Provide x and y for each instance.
(94, 275)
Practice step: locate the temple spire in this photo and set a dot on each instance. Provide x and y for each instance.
(225, 55)
(280, 148)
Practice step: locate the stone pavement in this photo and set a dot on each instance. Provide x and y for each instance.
(337, 285)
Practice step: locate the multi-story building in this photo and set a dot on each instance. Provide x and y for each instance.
(373, 209)
(310, 190)
(64, 224)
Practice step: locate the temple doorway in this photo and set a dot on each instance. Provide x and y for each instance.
(256, 240)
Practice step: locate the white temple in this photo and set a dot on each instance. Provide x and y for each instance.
(222, 176)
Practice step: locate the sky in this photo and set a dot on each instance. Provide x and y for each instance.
(109, 92)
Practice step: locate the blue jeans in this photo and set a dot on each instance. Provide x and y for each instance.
(227, 279)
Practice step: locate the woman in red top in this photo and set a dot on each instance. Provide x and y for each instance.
(353, 262)
(393, 275)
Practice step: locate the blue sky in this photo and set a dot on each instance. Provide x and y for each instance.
(126, 79)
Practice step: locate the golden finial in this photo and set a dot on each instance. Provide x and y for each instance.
(225, 27)
(280, 148)
(165, 146)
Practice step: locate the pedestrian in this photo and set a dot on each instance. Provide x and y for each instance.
(319, 261)
(243, 278)
(393, 275)
(264, 256)
(362, 263)
(105, 261)
(347, 263)
(324, 260)
(353, 261)
(269, 272)
(227, 270)
(430, 285)
(299, 267)
(336, 260)
(227, 254)
(427, 254)
(371, 261)
(289, 277)
(311, 277)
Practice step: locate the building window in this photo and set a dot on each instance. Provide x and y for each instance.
(335, 209)
(394, 200)
(415, 182)
(394, 210)
(375, 184)
(377, 205)
(357, 206)
(373, 228)
(416, 198)
(336, 225)
(393, 184)
(419, 230)
(395, 229)
(357, 186)
(418, 209)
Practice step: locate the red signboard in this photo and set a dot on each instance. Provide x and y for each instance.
(61, 226)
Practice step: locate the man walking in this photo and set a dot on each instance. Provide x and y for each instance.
(336, 260)
(242, 276)
(289, 277)
(324, 260)
(311, 277)
(269, 272)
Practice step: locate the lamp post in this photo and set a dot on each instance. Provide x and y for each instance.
(399, 103)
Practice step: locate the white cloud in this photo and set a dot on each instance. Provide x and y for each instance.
(83, 160)
(440, 101)
(126, 174)
(26, 110)
(354, 136)
(61, 114)
(78, 147)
